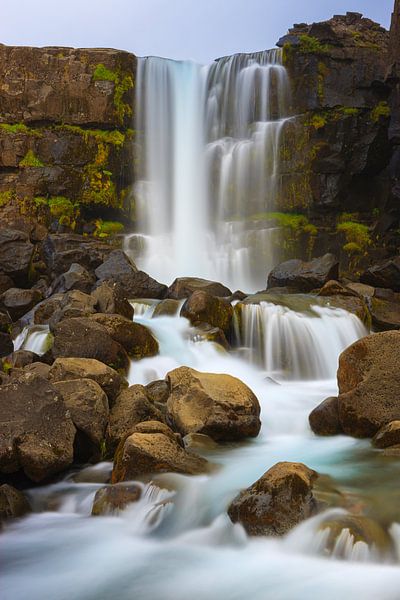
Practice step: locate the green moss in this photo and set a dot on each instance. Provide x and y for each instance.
(381, 110)
(344, 217)
(106, 228)
(348, 111)
(7, 366)
(101, 73)
(15, 128)
(58, 207)
(6, 197)
(311, 45)
(357, 236)
(98, 187)
(31, 160)
(114, 137)
(318, 120)
(122, 83)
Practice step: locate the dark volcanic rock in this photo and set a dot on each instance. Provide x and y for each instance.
(324, 419)
(15, 253)
(201, 307)
(110, 298)
(183, 287)
(18, 302)
(13, 503)
(36, 431)
(304, 276)
(61, 250)
(116, 265)
(385, 275)
(134, 337)
(6, 344)
(76, 278)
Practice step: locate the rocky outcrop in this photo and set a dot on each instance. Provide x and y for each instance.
(154, 448)
(201, 307)
(220, 406)
(385, 274)
(279, 500)
(304, 276)
(183, 287)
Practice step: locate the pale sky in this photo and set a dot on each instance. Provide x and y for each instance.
(200, 30)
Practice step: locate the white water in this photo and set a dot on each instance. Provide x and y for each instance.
(208, 167)
(177, 541)
(34, 338)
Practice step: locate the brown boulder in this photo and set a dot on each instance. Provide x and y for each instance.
(304, 276)
(324, 419)
(385, 314)
(13, 503)
(334, 288)
(387, 435)
(116, 265)
(368, 379)
(131, 407)
(220, 406)
(6, 344)
(166, 308)
(386, 274)
(108, 379)
(134, 337)
(183, 287)
(112, 499)
(279, 500)
(201, 307)
(76, 278)
(18, 302)
(109, 298)
(157, 391)
(36, 430)
(61, 250)
(81, 337)
(15, 254)
(5, 283)
(153, 448)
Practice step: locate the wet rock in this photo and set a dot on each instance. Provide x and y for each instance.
(157, 391)
(324, 419)
(18, 302)
(353, 304)
(38, 368)
(88, 406)
(368, 384)
(279, 500)
(134, 337)
(201, 307)
(132, 406)
(61, 250)
(362, 289)
(153, 448)
(22, 358)
(112, 499)
(206, 332)
(81, 337)
(6, 344)
(387, 435)
(361, 528)
(199, 441)
(385, 274)
(109, 298)
(36, 430)
(70, 305)
(117, 264)
(5, 283)
(385, 314)
(88, 368)
(183, 287)
(334, 288)
(15, 254)
(76, 278)
(13, 503)
(166, 308)
(304, 276)
(220, 406)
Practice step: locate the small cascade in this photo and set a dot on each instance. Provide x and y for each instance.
(35, 339)
(207, 167)
(297, 345)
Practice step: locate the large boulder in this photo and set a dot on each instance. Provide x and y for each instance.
(385, 314)
(88, 406)
(81, 337)
(17, 302)
(5, 283)
(279, 500)
(217, 405)
(36, 430)
(166, 308)
(61, 250)
(88, 368)
(109, 298)
(134, 337)
(6, 344)
(324, 419)
(368, 379)
(116, 265)
(76, 278)
(131, 407)
(13, 503)
(183, 287)
(15, 254)
(304, 276)
(388, 435)
(201, 307)
(386, 274)
(154, 448)
(61, 306)
(112, 499)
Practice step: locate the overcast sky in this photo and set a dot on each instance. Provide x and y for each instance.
(200, 30)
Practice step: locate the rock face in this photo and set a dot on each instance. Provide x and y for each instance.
(15, 254)
(279, 500)
(220, 406)
(368, 384)
(153, 448)
(304, 276)
(183, 287)
(36, 430)
(13, 503)
(201, 307)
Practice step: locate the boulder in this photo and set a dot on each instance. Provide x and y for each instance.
(36, 430)
(132, 406)
(61, 250)
(324, 419)
(201, 307)
(183, 287)
(15, 254)
(5, 283)
(81, 337)
(76, 278)
(13, 503)
(361, 528)
(385, 274)
(108, 379)
(362, 289)
(166, 308)
(72, 304)
(138, 284)
(368, 379)
(112, 499)
(22, 358)
(334, 288)
(157, 391)
(88, 406)
(18, 302)
(116, 265)
(134, 337)
(353, 304)
(109, 298)
(385, 314)
(5, 322)
(6, 344)
(153, 448)
(279, 500)
(208, 333)
(304, 276)
(217, 405)
(387, 435)
(39, 368)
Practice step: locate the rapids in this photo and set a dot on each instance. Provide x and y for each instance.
(177, 542)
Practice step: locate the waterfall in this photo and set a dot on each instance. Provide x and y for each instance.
(297, 345)
(207, 167)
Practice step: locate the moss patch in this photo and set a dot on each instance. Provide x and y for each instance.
(312, 45)
(6, 197)
(105, 229)
(15, 128)
(381, 110)
(357, 236)
(31, 160)
(114, 137)
(122, 83)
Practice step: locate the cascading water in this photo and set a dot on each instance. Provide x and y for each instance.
(208, 167)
